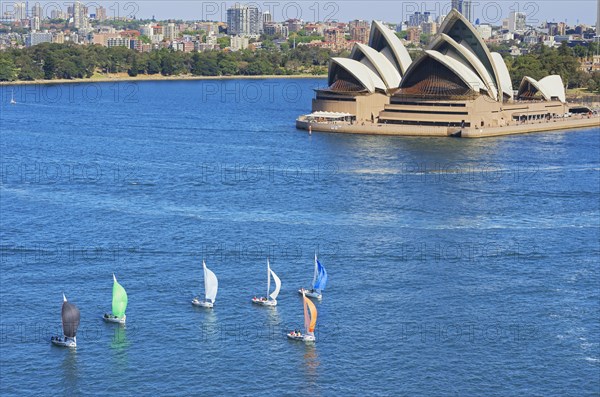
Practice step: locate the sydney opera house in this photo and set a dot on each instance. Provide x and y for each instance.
(456, 87)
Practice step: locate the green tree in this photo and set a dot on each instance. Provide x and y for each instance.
(8, 71)
(228, 67)
(49, 67)
(135, 68)
(224, 42)
(29, 73)
(167, 65)
(153, 65)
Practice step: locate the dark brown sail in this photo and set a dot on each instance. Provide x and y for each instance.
(70, 319)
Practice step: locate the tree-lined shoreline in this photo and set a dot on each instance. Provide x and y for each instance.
(65, 63)
(51, 61)
(118, 77)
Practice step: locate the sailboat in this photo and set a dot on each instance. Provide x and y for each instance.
(119, 304)
(266, 301)
(310, 321)
(319, 282)
(211, 285)
(12, 98)
(70, 322)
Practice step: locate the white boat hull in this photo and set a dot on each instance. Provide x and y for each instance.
(308, 338)
(303, 338)
(310, 293)
(112, 319)
(204, 303)
(264, 302)
(63, 342)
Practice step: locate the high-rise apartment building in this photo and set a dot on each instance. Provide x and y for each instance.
(516, 21)
(464, 7)
(171, 31)
(80, 20)
(243, 20)
(100, 13)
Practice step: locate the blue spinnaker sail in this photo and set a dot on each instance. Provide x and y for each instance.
(321, 281)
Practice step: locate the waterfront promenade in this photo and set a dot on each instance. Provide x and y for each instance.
(568, 123)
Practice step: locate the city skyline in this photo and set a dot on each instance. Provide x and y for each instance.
(580, 11)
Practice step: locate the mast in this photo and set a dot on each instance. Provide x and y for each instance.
(268, 278)
(205, 280)
(316, 272)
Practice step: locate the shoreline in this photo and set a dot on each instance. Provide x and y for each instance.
(159, 77)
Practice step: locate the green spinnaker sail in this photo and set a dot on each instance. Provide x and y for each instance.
(119, 301)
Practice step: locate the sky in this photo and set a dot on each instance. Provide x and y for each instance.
(570, 11)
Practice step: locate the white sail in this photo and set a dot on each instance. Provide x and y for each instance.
(277, 285)
(211, 284)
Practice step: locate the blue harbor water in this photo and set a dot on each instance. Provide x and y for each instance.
(456, 267)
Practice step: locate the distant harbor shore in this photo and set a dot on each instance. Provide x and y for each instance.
(124, 77)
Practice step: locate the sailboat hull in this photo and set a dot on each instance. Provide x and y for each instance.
(295, 337)
(302, 338)
(310, 293)
(113, 319)
(308, 338)
(63, 342)
(199, 303)
(263, 302)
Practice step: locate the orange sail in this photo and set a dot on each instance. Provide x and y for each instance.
(310, 320)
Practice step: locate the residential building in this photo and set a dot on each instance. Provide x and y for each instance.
(80, 20)
(485, 31)
(429, 28)
(119, 42)
(34, 23)
(516, 21)
(294, 25)
(35, 38)
(171, 31)
(58, 38)
(239, 43)
(414, 35)
(243, 20)
(335, 36)
(100, 13)
(36, 11)
(419, 18)
(20, 11)
(464, 7)
(360, 30)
